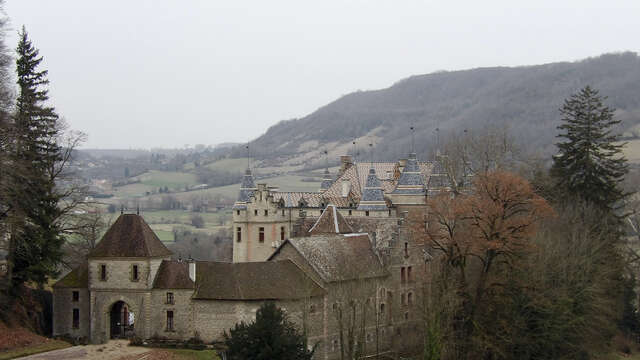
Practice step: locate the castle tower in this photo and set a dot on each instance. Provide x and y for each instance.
(372, 202)
(410, 190)
(246, 191)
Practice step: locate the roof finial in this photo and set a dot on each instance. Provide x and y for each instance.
(138, 210)
(355, 151)
(371, 147)
(248, 157)
(413, 138)
(326, 160)
(121, 209)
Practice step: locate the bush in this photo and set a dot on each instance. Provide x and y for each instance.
(197, 221)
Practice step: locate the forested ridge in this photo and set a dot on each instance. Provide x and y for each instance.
(526, 99)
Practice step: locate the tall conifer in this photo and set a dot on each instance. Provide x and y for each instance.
(36, 240)
(590, 164)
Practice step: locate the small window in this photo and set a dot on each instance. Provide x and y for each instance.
(103, 272)
(169, 320)
(282, 233)
(334, 345)
(366, 213)
(406, 249)
(382, 308)
(282, 212)
(389, 212)
(76, 296)
(255, 212)
(403, 275)
(261, 234)
(266, 213)
(312, 309)
(134, 272)
(349, 212)
(76, 318)
(335, 306)
(409, 274)
(170, 299)
(237, 212)
(238, 234)
(321, 211)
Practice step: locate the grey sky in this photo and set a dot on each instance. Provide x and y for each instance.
(142, 73)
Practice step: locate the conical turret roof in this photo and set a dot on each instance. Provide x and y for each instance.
(247, 187)
(326, 180)
(410, 181)
(372, 194)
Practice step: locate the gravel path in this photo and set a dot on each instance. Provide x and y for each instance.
(114, 349)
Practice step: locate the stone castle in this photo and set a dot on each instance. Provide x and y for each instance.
(350, 256)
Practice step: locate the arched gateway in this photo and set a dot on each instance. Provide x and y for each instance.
(121, 320)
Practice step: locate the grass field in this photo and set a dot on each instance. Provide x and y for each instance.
(34, 349)
(184, 354)
(230, 165)
(170, 179)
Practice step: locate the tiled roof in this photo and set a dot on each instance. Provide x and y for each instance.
(372, 195)
(293, 199)
(269, 280)
(411, 181)
(330, 222)
(130, 236)
(173, 275)
(247, 187)
(340, 257)
(76, 278)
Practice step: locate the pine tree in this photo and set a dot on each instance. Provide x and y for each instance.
(590, 165)
(271, 336)
(35, 249)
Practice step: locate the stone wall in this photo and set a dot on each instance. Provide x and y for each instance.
(63, 306)
(120, 273)
(183, 314)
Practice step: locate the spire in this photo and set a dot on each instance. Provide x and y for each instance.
(326, 179)
(410, 181)
(246, 190)
(439, 178)
(372, 195)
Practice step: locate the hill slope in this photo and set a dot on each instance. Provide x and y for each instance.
(526, 98)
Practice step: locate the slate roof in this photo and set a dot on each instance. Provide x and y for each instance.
(247, 187)
(129, 236)
(339, 257)
(372, 195)
(269, 280)
(173, 275)
(411, 181)
(330, 222)
(76, 278)
(293, 199)
(439, 177)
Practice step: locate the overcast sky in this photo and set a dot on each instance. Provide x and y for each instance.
(142, 73)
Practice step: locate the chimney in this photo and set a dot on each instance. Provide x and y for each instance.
(346, 187)
(345, 162)
(192, 269)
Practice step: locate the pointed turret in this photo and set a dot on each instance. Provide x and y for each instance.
(372, 195)
(439, 178)
(410, 181)
(246, 191)
(327, 180)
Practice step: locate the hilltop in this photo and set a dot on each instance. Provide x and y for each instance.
(526, 99)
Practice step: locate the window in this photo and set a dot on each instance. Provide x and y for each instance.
(255, 212)
(169, 320)
(410, 298)
(409, 275)
(321, 211)
(382, 308)
(261, 234)
(238, 234)
(349, 212)
(406, 249)
(312, 309)
(389, 212)
(75, 296)
(334, 345)
(237, 212)
(335, 306)
(103, 272)
(282, 234)
(134, 272)
(403, 275)
(266, 213)
(366, 213)
(170, 299)
(76, 318)
(282, 212)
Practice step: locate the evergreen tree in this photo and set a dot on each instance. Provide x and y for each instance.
(35, 249)
(271, 336)
(590, 164)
